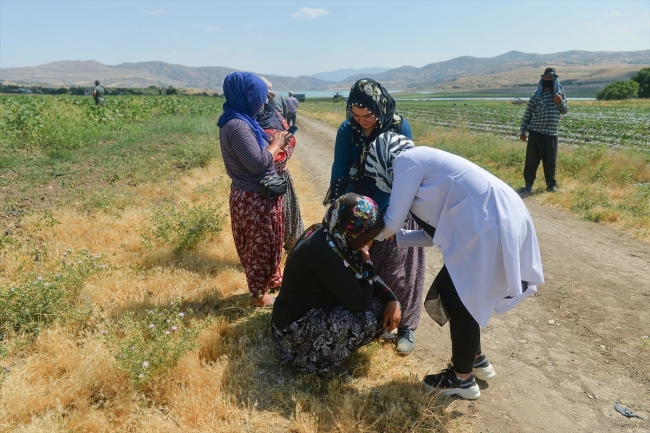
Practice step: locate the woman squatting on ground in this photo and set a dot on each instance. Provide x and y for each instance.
(332, 302)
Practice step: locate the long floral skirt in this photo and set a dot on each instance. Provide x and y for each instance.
(293, 225)
(402, 269)
(258, 232)
(325, 337)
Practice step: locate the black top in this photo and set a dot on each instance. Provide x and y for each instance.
(316, 277)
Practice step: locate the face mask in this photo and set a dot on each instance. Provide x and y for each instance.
(548, 84)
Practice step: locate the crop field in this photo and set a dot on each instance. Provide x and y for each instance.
(75, 121)
(586, 122)
(624, 126)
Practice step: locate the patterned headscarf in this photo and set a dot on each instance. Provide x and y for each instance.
(381, 158)
(369, 94)
(351, 216)
(245, 94)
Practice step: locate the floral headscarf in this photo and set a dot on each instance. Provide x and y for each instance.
(349, 217)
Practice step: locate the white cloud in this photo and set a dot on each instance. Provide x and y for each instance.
(612, 14)
(257, 38)
(249, 26)
(309, 13)
(218, 49)
(211, 29)
(154, 11)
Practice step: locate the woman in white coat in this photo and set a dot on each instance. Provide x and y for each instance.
(486, 236)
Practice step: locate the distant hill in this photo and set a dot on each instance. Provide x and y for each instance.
(514, 69)
(341, 74)
(142, 74)
(584, 70)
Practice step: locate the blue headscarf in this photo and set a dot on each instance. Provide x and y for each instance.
(557, 87)
(245, 94)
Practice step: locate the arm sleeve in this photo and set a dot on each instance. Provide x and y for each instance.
(408, 177)
(528, 114)
(564, 106)
(382, 292)
(284, 107)
(413, 238)
(405, 130)
(244, 145)
(342, 152)
(339, 279)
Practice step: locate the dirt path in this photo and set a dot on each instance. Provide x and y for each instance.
(563, 357)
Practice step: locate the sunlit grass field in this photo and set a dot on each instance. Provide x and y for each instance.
(600, 183)
(123, 306)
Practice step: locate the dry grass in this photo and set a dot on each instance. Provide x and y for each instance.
(65, 380)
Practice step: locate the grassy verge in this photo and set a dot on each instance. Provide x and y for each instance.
(599, 184)
(144, 335)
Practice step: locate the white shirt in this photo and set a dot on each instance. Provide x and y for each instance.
(483, 228)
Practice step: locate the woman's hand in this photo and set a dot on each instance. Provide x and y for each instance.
(279, 140)
(392, 316)
(365, 254)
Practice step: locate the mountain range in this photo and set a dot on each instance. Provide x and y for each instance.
(514, 69)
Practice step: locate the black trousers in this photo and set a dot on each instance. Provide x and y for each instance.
(541, 147)
(465, 330)
(443, 304)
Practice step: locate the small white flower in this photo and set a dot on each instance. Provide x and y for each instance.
(181, 314)
(151, 325)
(145, 364)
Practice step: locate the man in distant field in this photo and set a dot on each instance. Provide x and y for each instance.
(98, 94)
(541, 120)
(292, 108)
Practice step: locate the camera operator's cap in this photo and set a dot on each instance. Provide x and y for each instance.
(269, 85)
(550, 71)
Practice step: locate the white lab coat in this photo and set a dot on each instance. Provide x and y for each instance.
(483, 228)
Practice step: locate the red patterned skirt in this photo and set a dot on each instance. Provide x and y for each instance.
(258, 231)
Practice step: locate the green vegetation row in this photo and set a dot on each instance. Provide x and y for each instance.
(70, 122)
(620, 125)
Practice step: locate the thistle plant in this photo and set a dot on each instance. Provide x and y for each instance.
(37, 300)
(182, 227)
(146, 346)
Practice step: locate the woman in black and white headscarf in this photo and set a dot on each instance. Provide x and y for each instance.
(486, 236)
(371, 111)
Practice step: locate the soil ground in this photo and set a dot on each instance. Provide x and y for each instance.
(564, 357)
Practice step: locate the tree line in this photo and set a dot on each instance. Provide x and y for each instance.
(79, 90)
(636, 87)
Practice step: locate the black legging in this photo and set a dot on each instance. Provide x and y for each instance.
(465, 330)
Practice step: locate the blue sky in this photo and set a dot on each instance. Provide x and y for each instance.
(294, 38)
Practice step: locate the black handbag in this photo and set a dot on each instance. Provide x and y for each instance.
(273, 187)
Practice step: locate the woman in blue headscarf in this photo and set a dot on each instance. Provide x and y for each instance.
(257, 222)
